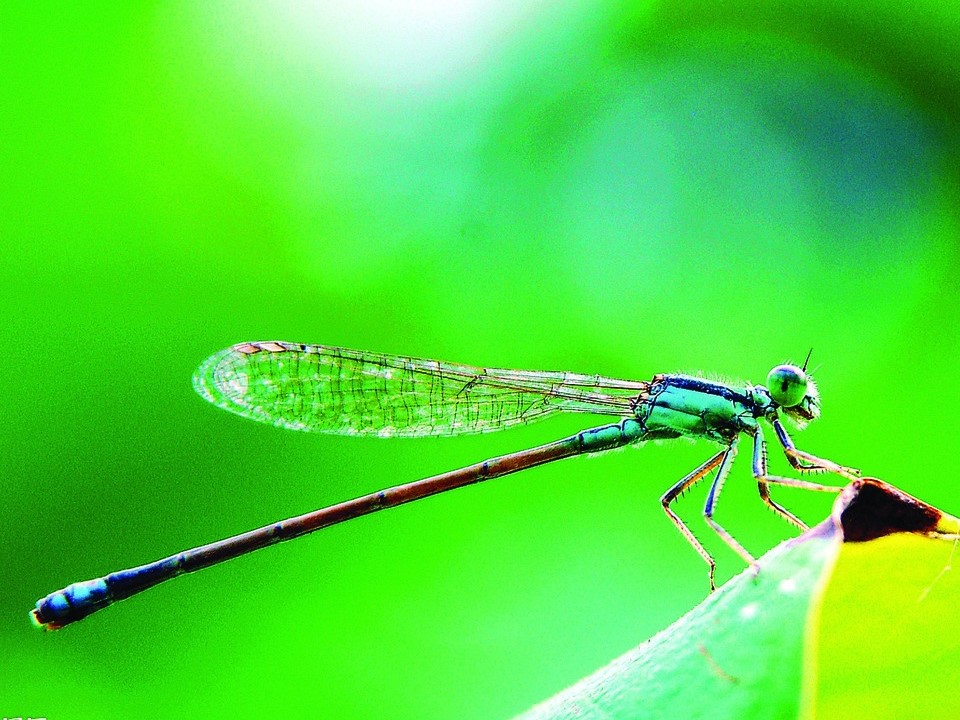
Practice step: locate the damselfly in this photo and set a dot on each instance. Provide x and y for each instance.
(349, 392)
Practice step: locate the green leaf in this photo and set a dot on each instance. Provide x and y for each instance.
(888, 633)
(790, 641)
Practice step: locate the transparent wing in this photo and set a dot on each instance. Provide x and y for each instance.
(351, 392)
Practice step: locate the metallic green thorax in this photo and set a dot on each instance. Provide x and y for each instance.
(686, 405)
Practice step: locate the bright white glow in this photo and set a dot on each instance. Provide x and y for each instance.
(749, 611)
(788, 586)
(395, 43)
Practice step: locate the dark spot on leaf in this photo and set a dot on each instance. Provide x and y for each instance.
(875, 509)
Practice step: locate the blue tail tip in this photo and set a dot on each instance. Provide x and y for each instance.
(72, 603)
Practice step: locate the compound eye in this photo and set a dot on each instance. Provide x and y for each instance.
(787, 385)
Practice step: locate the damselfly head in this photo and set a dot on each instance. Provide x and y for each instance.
(795, 392)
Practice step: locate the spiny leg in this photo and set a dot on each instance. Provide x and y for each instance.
(678, 489)
(805, 462)
(760, 473)
(713, 498)
(764, 480)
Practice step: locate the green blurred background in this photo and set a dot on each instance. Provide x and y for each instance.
(600, 187)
